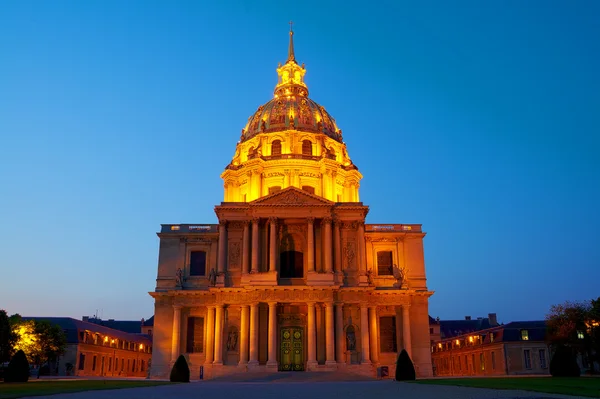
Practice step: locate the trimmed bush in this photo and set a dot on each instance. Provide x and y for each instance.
(18, 368)
(180, 371)
(405, 371)
(563, 363)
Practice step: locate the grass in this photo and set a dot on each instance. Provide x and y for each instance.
(582, 386)
(38, 388)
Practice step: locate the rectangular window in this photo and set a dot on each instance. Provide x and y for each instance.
(482, 362)
(81, 361)
(94, 363)
(431, 331)
(466, 363)
(309, 189)
(387, 334)
(384, 263)
(543, 358)
(524, 335)
(473, 363)
(133, 366)
(274, 189)
(122, 364)
(527, 355)
(491, 337)
(195, 334)
(198, 263)
(143, 366)
(493, 360)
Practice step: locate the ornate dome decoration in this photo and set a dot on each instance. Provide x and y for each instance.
(291, 141)
(291, 108)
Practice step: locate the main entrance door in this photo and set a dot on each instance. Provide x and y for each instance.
(292, 349)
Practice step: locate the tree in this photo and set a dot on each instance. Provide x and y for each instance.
(563, 363)
(576, 325)
(404, 367)
(7, 338)
(40, 341)
(180, 371)
(18, 368)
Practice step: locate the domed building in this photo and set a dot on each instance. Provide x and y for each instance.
(291, 279)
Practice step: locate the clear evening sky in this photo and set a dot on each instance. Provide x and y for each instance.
(478, 119)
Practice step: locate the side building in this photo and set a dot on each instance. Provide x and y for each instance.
(517, 348)
(96, 350)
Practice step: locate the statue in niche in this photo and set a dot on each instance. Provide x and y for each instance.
(179, 277)
(212, 277)
(232, 339)
(350, 338)
(370, 277)
(400, 276)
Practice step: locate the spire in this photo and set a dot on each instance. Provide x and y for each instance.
(291, 56)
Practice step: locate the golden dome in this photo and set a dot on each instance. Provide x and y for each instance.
(291, 109)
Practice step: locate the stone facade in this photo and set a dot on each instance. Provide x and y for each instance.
(292, 278)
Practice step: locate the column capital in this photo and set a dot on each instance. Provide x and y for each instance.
(256, 220)
(219, 305)
(273, 220)
(177, 307)
(406, 306)
(253, 304)
(246, 223)
(310, 304)
(223, 222)
(327, 220)
(210, 307)
(272, 304)
(328, 304)
(244, 306)
(337, 222)
(373, 307)
(310, 220)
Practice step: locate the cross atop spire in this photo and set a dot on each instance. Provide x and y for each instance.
(291, 56)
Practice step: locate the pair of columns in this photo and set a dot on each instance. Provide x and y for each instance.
(249, 334)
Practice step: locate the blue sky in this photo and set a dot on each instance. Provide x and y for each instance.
(479, 120)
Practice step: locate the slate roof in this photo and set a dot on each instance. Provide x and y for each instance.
(149, 322)
(73, 326)
(128, 326)
(510, 332)
(453, 328)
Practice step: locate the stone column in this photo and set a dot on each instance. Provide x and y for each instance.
(361, 247)
(246, 248)
(222, 246)
(406, 329)
(340, 339)
(244, 336)
(311, 337)
(176, 332)
(272, 342)
(364, 333)
(273, 244)
(328, 247)
(253, 335)
(310, 243)
(219, 335)
(337, 247)
(329, 335)
(373, 334)
(210, 335)
(255, 222)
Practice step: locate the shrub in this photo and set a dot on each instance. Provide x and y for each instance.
(18, 368)
(563, 363)
(404, 367)
(180, 371)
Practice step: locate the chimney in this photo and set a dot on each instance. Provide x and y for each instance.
(467, 317)
(85, 318)
(493, 319)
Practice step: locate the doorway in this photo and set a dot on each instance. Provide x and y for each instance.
(291, 349)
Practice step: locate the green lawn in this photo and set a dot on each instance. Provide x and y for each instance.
(583, 386)
(48, 387)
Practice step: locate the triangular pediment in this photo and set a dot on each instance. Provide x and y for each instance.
(292, 196)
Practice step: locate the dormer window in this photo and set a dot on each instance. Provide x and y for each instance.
(306, 147)
(276, 147)
(524, 335)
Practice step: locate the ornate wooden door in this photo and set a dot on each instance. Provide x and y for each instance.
(292, 349)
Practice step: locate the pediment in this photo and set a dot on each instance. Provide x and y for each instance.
(292, 196)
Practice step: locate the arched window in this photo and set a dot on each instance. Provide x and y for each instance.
(276, 147)
(251, 153)
(306, 147)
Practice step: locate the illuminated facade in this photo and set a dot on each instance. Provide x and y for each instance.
(291, 279)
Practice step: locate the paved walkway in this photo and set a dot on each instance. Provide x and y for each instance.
(278, 389)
